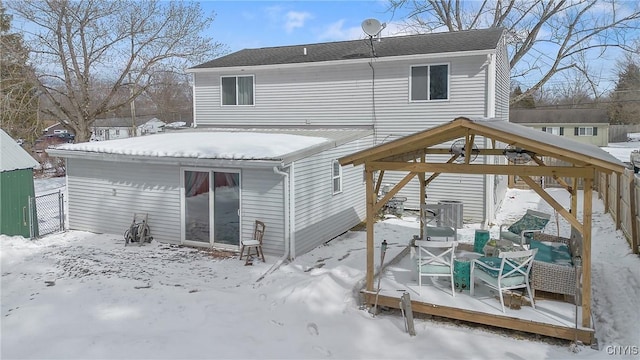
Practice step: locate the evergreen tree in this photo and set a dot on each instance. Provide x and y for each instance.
(624, 105)
(18, 93)
(526, 103)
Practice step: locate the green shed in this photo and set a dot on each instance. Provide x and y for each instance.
(16, 188)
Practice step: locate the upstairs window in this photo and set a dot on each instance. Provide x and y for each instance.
(429, 82)
(336, 176)
(237, 90)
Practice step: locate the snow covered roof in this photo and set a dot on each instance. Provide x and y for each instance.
(258, 145)
(12, 156)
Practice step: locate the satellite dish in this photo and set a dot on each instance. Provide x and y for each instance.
(371, 27)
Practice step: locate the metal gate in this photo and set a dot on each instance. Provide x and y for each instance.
(47, 214)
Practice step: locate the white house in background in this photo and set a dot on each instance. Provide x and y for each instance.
(395, 86)
(121, 128)
(207, 187)
(152, 126)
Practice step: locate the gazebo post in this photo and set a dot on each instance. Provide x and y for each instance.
(586, 253)
(574, 196)
(370, 220)
(423, 195)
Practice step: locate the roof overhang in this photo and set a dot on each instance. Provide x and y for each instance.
(344, 62)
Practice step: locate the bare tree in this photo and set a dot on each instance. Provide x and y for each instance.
(546, 37)
(171, 96)
(19, 98)
(78, 46)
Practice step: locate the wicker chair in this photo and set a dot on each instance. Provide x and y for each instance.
(555, 278)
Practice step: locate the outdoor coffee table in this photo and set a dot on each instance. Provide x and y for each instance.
(494, 247)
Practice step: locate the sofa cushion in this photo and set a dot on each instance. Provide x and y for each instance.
(552, 252)
(528, 222)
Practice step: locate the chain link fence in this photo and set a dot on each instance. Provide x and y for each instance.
(49, 214)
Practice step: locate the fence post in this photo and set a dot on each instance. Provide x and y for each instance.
(32, 201)
(618, 200)
(633, 209)
(61, 209)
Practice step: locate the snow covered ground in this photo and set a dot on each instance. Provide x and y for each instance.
(78, 295)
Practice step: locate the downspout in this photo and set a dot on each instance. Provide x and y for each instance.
(194, 122)
(490, 113)
(287, 233)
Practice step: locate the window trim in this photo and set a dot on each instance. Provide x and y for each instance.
(585, 128)
(335, 177)
(560, 130)
(253, 91)
(448, 64)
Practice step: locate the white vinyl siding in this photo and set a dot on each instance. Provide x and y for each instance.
(503, 82)
(104, 195)
(319, 215)
(342, 96)
(262, 199)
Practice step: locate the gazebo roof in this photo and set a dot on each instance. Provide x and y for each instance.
(515, 135)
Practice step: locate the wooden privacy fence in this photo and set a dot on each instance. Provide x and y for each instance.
(621, 196)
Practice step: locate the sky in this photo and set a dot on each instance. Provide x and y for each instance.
(255, 24)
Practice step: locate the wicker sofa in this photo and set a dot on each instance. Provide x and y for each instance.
(553, 277)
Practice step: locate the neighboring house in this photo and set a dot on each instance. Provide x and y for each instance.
(152, 126)
(116, 128)
(589, 126)
(16, 189)
(207, 187)
(395, 86)
(56, 129)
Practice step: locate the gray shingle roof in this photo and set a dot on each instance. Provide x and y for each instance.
(559, 116)
(484, 39)
(120, 122)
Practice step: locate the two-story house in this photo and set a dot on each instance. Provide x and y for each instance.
(395, 86)
(269, 126)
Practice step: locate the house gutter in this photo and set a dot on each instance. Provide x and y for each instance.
(278, 170)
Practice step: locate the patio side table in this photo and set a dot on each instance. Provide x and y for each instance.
(462, 270)
(461, 273)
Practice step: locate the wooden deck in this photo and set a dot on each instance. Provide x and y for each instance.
(549, 318)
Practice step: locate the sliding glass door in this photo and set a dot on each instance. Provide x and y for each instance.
(211, 208)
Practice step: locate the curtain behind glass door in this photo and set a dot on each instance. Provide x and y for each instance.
(196, 206)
